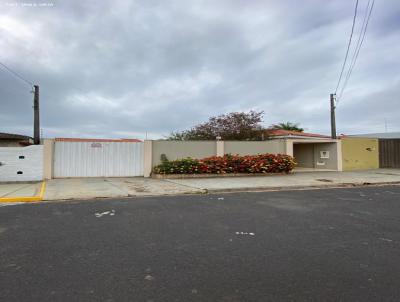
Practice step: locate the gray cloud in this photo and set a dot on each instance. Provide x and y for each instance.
(124, 68)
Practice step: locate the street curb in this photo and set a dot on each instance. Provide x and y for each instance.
(199, 192)
(202, 191)
(300, 188)
(38, 197)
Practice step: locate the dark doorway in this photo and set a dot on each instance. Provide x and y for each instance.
(304, 155)
(389, 153)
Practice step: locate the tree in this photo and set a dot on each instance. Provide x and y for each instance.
(287, 126)
(231, 126)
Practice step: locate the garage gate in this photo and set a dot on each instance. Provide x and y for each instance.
(98, 158)
(389, 153)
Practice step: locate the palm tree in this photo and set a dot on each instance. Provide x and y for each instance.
(287, 126)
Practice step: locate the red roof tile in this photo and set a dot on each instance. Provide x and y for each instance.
(97, 140)
(281, 132)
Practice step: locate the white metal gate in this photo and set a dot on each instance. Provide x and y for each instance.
(98, 159)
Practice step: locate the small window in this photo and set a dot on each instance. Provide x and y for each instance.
(20, 172)
(21, 157)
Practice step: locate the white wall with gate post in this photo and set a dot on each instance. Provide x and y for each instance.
(21, 163)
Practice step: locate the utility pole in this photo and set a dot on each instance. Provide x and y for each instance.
(36, 120)
(333, 118)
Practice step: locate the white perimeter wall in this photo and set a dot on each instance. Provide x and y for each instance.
(31, 165)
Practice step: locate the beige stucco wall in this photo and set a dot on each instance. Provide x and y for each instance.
(330, 163)
(182, 149)
(252, 148)
(360, 153)
(48, 158)
(147, 158)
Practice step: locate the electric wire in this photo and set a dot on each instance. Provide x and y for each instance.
(356, 53)
(348, 46)
(15, 74)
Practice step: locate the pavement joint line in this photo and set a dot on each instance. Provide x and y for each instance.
(16, 190)
(183, 185)
(116, 186)
(38, 197)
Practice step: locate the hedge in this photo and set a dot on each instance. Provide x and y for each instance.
(262, 163)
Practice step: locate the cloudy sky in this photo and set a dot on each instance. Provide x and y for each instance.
(124, 68)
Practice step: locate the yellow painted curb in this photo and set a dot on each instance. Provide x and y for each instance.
(26, 198)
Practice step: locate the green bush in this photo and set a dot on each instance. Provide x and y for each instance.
(181, 166)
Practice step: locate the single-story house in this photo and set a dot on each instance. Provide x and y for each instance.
(14, 140)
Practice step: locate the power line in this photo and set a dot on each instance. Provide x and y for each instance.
(360, 42)
(348, 46)
(360, 35)
(16, 74)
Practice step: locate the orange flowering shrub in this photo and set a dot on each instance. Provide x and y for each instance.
(261, 163)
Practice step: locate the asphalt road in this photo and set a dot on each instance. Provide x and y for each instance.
(319, 245)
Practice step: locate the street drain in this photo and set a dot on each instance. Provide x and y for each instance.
(324, 180)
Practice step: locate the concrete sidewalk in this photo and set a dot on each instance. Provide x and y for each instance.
(19, 189)
(15, 193)
(297, 180)
(87, 188)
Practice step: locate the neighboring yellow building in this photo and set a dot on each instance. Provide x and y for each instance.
(360, 153)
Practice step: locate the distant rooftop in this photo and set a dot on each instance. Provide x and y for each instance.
(379, 135)
(12, 136)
